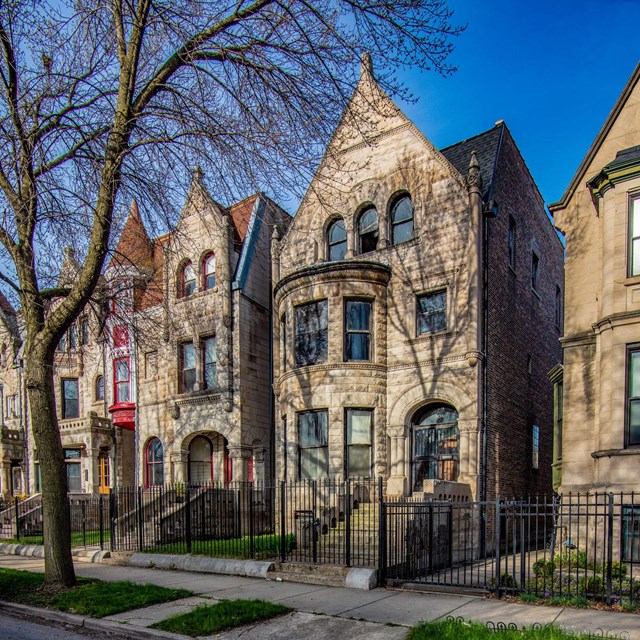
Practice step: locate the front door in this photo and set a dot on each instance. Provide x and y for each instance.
(104, 472)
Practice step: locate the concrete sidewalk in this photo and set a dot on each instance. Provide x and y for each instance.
(348, 613)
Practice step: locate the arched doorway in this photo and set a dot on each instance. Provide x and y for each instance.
(434, 444)
(200, 461)
(209, 460)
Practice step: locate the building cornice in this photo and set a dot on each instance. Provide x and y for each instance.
(382, 272)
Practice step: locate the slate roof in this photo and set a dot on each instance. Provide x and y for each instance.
(486, 145)
(625, 157)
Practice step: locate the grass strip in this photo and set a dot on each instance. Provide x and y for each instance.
(78, 539)
(226, 614)
(89, 598)
(450, 630)
(264, 546)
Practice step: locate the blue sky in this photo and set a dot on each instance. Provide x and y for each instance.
(551, 70)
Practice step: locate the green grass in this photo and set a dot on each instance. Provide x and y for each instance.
(226, 614)
(266, 546)
(90, 597)
(471, 631)
(77, 538)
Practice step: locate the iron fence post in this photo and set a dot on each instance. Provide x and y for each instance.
(101, 521)
(382, 543)
(497, 540)
(83, 515)
(430, 533)
(140, 520)
(251, 528)
(522, 551)
(609, 547)
(187, 517)
(283, 528)
(112, 521)
(314, 529)
(347, 528)
(16, 503)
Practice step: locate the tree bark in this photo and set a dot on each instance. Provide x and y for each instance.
(55, 504)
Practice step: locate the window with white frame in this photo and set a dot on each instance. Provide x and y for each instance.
(313, 445)
(358, 454)
(431, 314)
(633, 258)
(632, 431)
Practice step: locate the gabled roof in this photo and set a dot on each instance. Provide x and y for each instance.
(134, 246)
(240, 214)
(595, 146)
(5, 305)
(487, 147)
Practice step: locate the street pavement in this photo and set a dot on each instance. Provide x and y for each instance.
(322, 611)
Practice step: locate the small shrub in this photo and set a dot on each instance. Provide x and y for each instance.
(543, 568)
(593, 585)
(529, 597)
(618, 570)
(578, 601)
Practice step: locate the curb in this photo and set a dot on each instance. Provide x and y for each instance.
(37, 551)
(74, 620)
(202, 564)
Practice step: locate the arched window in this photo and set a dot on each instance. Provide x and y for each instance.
(368, 230)
(435, 444)
(187, 280)
(401, 220)
(99, 388)
(209, 271)
(337, 240)
(154, 463)
(200, 461)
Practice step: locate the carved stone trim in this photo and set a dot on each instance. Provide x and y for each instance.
(294, 373)
(212, 398)
(430, 337)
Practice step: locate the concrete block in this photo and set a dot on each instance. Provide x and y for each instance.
(361, 578)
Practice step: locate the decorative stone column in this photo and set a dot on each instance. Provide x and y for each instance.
(397, 483)
(240, 466)
(259, 454)
(178, 461)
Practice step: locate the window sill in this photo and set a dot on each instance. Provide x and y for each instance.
(535, 293)
(196, 295)
(611, 453)
(428, 337)
(632, 281)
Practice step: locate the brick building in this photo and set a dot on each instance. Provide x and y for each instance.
(598, 417)
(167, 380)
(417, 311)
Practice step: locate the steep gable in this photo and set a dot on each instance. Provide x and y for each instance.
(134, 247)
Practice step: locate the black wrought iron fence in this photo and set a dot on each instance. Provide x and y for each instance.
(584, 546)
(324, 521)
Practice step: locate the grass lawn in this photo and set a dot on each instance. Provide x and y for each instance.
(226, 614)
(77, 538)
(450, 630)
(265, 546)
(90, 597)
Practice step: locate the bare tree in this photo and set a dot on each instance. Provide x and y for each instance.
(104, 98)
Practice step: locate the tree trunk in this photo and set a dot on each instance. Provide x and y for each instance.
(55, 504)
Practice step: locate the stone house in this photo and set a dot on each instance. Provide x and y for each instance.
(597, 441)
(165, 380)
(416, 313)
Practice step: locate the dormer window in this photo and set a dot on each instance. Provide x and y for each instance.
(336, 240)
(209, 271)
(368, 230)
(401, 220)
(187, 280)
